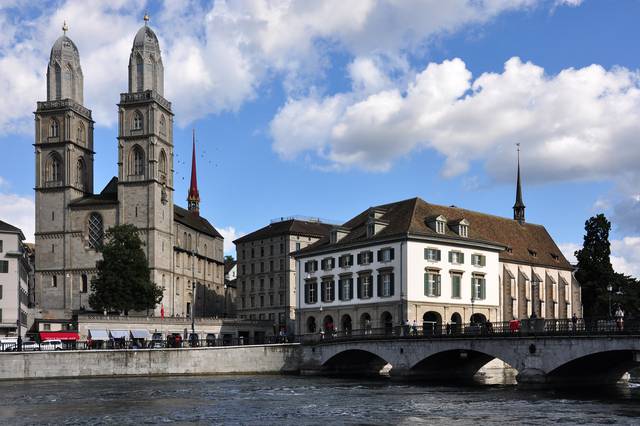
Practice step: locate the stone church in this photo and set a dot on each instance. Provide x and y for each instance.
(184, 250)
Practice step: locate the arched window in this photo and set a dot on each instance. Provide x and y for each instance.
(137, 161)
(80, 173)
(189, 244)
(139, 73)
(184, 240)
(137, 121)
(162, 165)
(205, 250)
(53, 128)
(154, 72)
(54, 168)
(69, 80)
(85, 284)
(96, 231)
(80, 133)
(163, 125)
(58, 73)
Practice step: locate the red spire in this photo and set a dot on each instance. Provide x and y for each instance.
(194, 196)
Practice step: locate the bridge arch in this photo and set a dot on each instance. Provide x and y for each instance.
(355, 362)
(453, 364)
(600, 367)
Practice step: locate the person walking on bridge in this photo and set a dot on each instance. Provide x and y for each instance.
(619, 318)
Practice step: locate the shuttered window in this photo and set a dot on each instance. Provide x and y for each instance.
(456, 284)
(432, 284)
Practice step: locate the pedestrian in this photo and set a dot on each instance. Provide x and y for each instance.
(407, 328)
(619, 318)
(489, 326)
(414, 328)
(574, 321)
(367, 326)
(448, 326)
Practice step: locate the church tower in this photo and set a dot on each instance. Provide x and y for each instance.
(193, 198)
(518, 207)
(145, 155)
(64, 168)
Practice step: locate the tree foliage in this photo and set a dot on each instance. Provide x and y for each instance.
(123, 281)
(595, 273)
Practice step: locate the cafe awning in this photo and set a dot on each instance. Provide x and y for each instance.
(58, 335)
(99, 334)
(119, 334)
(140, 334)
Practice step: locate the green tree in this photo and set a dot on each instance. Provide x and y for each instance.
(123, 281)
(595, 273)
(228, 259)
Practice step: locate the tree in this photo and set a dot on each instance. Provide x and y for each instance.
(228, 258)
(595, 273)
(123, 281)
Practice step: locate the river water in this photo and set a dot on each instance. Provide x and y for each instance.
(294, 400)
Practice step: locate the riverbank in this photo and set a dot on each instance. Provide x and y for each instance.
(150, 362)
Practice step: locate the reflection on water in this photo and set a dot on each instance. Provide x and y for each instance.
(303, 400)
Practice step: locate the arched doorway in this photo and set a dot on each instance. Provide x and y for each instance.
(311, 325)
(327, 324)
(346, 324)
(431, 323)
(478, 319)
(386, 320)
(365, 323)
(456, 323)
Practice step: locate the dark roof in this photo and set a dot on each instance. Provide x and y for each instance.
(194, 221)
(109, 195)
(411, 218)
(228, 265)
(287, 227)
(6, 227)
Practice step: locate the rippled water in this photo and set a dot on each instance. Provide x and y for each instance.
(302, 400)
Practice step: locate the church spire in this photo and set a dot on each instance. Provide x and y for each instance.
(518, 207)
(194, 197)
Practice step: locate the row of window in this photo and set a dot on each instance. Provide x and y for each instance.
(263, 267)
(385, 287)
(346, 260)
(262, 251)
(456, 257)
(261, 286)
(261, 299)
(433, 285)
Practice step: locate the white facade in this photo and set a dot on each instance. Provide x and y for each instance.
(14, 285)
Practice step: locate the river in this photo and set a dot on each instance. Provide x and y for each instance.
(294, 400)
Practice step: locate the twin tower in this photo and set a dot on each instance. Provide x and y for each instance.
(70, 218)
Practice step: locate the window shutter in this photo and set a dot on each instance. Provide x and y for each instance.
(392, 286)
(379, 285)
(438, 255)
(350, 259)
(392, 254)
(333, 262)
(359, 288)
(306, 293)
(483, 289)
(306, 266)
(450, 257)
(340, 262)
(426, 285)
(359, 258)
(350, 284)
(461, 257)
(379, 255)
(437, 285)
(333, 291)
(483, 261)
(426, 251)
(315, 265)
(322, 286)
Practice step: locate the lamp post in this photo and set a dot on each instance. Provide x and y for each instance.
(609, 290)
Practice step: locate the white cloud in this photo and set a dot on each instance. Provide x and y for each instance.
(18, 211)
(572, 3)
(578, 124)
(217, 56)
(568, 250)
(625, 256)
(230, 234)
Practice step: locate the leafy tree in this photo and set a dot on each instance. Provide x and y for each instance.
(123, 281)
(228, 259)
(595, 273)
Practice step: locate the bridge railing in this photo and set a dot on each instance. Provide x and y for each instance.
(539, 327)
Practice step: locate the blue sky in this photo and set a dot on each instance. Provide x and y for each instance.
(324, 109)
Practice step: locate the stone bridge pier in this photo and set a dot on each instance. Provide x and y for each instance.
(540, 361)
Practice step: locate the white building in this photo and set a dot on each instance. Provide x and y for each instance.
(416, 261)
(15, 272)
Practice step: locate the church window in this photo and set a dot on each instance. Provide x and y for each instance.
(58, 73)
(162, 166)
(53, 128)
(54, 169)
(184, 240)
(163, 125)
(189, 244)
(177, 285)
(137, 121)
(85, 284)
(80, 134)
(69, 80)
(139, 73)
(137, 161)
(80, 177)
(96, 231)
(54, 281)
(205, 250)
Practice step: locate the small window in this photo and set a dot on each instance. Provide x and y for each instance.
(464, 231)
(163, 125)
(432, 282)
(53, 128)
(456, 285)
(96, 231)
(365, 287)
(386, 255)
(478, 287)
(365, 258)
(456, 257)
(440, 226)
(54, 281)
(4, 266)
(80, 134)
(85, 284)
(137, 121)
(0, 246)
(533, 253)
(432, 254)
(137, 161)
(478, 260)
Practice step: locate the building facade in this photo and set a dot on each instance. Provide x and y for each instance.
(415, 261)
(16, 313)
(266, 272)
(182, 247)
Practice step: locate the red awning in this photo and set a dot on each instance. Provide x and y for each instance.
(59, 335)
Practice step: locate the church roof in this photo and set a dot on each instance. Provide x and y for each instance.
(194, 221)
(289, 227)
(145, 37)
(524, 243)
(64, 44)
(109, 195)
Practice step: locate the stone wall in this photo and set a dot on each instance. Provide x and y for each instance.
(150, 362)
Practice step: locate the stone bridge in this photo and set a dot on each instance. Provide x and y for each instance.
(541, 360)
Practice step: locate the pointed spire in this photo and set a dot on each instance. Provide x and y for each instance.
(193, 198)
(518, 207)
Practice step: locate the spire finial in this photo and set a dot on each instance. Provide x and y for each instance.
(518, 207)
(193, 199)
(146, 18)
(65, 27)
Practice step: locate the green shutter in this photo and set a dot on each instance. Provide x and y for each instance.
(427, 291)
(437, 285)
(392, 286)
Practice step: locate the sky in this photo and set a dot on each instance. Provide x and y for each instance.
(323, 109)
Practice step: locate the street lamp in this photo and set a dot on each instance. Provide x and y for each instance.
(609, 290)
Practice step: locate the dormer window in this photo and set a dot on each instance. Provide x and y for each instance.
(440, 226)
(555, 257)
(464, 231)
(337, 234)
(533, 253)
(371, 229)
